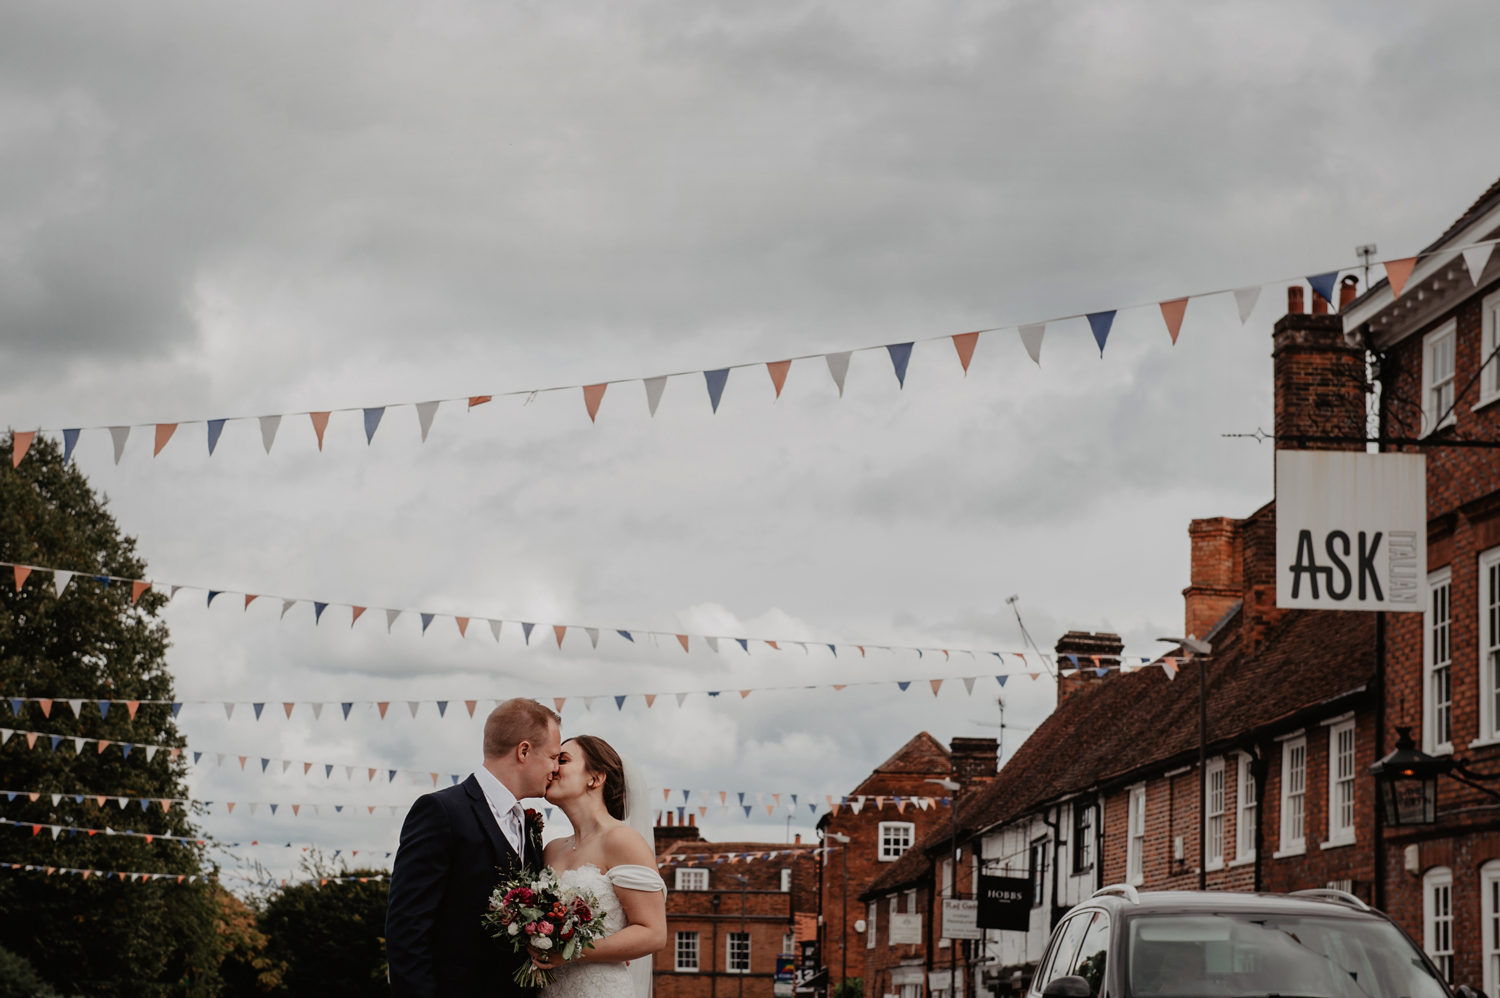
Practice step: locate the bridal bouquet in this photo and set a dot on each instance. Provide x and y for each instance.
(536, 912)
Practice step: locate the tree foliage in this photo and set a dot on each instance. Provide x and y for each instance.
(96, 935)
(330, 934)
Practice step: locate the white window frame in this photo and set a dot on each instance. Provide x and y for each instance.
(691, 879)
(1082, 845)
(686, 954)
(1135, 849)
(730, 938)
(1342, 773)
(871, 910)
(1489, 338)
(1293, 797)
(786, 879)
(1489, 647)
(1439, 346)
(946, 886)
(1246, 811)
(889, 836)
(788, 944)
(1489, 935)
(1213, 814)
(1437, 918)
(1437, 664)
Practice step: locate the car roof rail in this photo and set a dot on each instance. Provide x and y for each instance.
(1331, 894)
(1131, 894)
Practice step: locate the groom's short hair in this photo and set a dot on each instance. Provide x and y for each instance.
(515, 721)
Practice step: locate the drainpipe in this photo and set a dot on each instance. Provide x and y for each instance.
(1378, 375)
(1053, 823)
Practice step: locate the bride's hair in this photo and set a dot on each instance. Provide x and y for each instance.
(600, 758)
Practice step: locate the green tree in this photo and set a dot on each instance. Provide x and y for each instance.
(94, 935)
(330, 934)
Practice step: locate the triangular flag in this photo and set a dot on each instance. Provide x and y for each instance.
(390, 618)
(680, 698)
(526, 631)
(21, 443)
(60, 581)
(318, 609)
(715, 381)
(286, 605)
(426, 621)
(317, 709)
(964, 344)
(70, 440)
(778, 369)
(557, 703)
(268, 427)
(838, 366)
(593, 633)
(936, 685)
(382, 706)
(372, 421)
(215, 429)
(592, 396)
(425, 412)
(463, 626)
(682, 639)
(1244, 301)
(650, 699)
(346, 705)
(559, 630)
(626, 636)
(119, 434)
(1031, 339)
(413, 705)
(320, 425)
(654, 388)
(470, 705)
(131, 706)
(900, 357)
(136, 589)
(288, 706)
(250, 598)
(478, 400)
(1171, 313)
(258, 706)
(1322, 285)
(1397, 271)
(620, 702)
(1099, 323)
(713, 644)
(969, 684)
(358, 612)
(1475, 258)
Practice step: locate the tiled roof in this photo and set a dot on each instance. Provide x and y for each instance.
(1481, 205)
(1128, 724)
(922, 754)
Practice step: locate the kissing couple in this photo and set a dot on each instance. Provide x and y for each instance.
(458, 843)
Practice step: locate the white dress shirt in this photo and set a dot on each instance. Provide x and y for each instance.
(508, 812)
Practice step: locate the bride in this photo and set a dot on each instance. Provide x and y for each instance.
(607, 854)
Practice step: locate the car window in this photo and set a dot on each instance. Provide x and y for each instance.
(1059, 960)
(1093, 952)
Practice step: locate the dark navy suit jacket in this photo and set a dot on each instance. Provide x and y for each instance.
(451, 856)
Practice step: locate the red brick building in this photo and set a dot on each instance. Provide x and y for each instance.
(733, 908)
(1439, 383)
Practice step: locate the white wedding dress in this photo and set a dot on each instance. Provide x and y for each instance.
(607, 980)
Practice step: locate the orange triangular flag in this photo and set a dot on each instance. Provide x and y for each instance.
(936, 685)
(382, 706)
(650, 699)
(296, 808)
(463, 626)
(20, 444)
(774, 645)
(964, 344)
(1171, 311)
(744, 694)
(372, 773)
(682, 639)
(287, 706)
(559, 630)
(164, 433)
(242, 761)
(250, 598)
(320, 423)
(46, 706)
(861, 650)
(838, 687)
(137, 588)
(1397, 272)
(478, 400)
(306, 768)
(778, 369)
(434, 778)
(557, 703)
(230, 805)
(21, 572)
(592, 396)
(358, 612)
(470, 704)
(131, 706)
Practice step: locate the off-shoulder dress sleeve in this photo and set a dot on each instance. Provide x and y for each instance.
(633, 877)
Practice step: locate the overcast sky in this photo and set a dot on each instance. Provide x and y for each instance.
(240, 209)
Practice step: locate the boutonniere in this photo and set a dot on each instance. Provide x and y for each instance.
(533, 821)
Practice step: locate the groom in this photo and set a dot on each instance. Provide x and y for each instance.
(456, 844)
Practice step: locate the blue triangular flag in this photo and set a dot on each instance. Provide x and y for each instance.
(713, 693)
(834, 650)
(273, 808)
(794, 800)
(900, 355)
(258, 708)
(70, 440)
(103, 709)
(626, 636)
(1100, 322)
(685, 794)
(327, 770)
(318, 609)
(454, 778)
(346, 705)
(812, 808)
(1323, 284)
(215, 427)
(211, 594)
(55, 740)
(372, 420)
(442, 706)
(526, 631)
(620, 702)
(745, 644)
(903, 683)
(716, 381)
(103, 580)
(176, 707)
(426, 619)
(390, 776)
(15, 706)
(1101, 672)
(264, 762)
(546, 810)
(196, 757)
(1001, 679)
(742, 796)
(338, 809)
(126, 747)
(747, 810)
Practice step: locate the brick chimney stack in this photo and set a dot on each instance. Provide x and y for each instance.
(1215, 576)
(1320, 385)
(975, 760)
(1105, 647)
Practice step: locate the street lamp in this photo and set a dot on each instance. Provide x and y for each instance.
(843, 840)
(953, 787)
(1201, 649)
(1406, 782)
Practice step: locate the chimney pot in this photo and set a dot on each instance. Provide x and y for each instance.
(692, 820)
(1348, 288)
(1294, 300)
(1319, 304)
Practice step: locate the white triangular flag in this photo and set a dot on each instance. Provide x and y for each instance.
(118, 434)
(268, 427)
(593, 633)
(425, 412)
(286, 605)
(713, 643)
(253, 806)
(60, 580)
(495, 628)
(1244, 300)
(77, 746)
(1477, 257)
(221, 760)
(681, 697)
(969, 684)
(588, 703)
(76, 705)
(390, 618)
(654, 388)
(285, 765)
(838, 366)
(349, 773)
(1031, 339)
(414, 704)
(150, 752)
(228, 715)
(317, 711)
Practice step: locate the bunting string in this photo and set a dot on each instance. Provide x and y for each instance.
(181, 878)
(72, 831)
(1100, 323)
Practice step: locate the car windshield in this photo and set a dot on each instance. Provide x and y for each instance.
(1251, 954)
